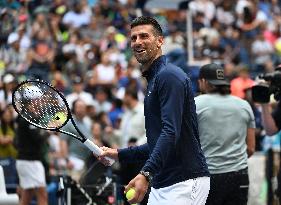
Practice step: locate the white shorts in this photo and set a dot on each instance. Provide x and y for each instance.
(190, 192)
(31, 174)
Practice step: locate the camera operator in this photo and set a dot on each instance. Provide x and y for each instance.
(271, 119)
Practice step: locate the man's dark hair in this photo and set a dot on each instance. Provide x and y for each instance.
(147, 20)
(221, 89)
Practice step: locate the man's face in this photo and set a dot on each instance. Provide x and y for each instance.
(16, 45)
(80, 109)
(78, 87)
(127, 101)
(145, 45)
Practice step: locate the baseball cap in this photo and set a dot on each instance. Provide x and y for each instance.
(214, 74)
(13, 37)
(8, 78)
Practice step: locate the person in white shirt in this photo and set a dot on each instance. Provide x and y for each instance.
(132, 121)
(102, 100)
(79, 93)
(77, 152)
(8, 84)
(77, 18)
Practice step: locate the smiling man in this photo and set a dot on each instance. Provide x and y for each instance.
(175, 166)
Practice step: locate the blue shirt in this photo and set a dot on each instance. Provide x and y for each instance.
(173, 152)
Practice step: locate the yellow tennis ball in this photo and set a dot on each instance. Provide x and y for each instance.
(61, 9)
(60, 117)
(130, 194)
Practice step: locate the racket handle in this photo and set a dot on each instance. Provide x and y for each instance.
(93, 147)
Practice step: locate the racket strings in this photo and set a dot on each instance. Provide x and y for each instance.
(40, 104)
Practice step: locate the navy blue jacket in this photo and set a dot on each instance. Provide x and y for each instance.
(173, 152)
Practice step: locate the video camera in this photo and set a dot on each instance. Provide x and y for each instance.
(261, 93)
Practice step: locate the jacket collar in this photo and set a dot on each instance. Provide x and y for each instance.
(154, 67)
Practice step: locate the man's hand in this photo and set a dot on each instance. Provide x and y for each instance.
(140, 184)
(107, 152)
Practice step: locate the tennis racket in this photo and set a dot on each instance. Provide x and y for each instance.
(43, 106)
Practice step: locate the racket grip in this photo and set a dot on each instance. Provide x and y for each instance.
(93, 147)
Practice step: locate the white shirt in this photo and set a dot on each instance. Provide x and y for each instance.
(132, 125)
(85, 96)
(103, 106)
(263, 50)
(105, 73)
(76, 20)
(3, 101)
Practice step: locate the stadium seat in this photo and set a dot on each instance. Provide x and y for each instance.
(10, 173)
(6, 199)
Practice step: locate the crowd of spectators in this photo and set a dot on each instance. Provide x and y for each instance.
(82, 48)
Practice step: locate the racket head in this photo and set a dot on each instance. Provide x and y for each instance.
(41, 104)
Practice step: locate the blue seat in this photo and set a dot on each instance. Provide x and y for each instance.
(10, 173)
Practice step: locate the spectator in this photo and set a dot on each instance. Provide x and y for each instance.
(262, 52)
(74, 52)
(40, 56)
(98, 135)
(249, 17)
(79, 93)
(9, 83)
(241, 82)
(94, 31)
(57, 155)
(132, 121)
(58, 30)
(226, 144)
(213, 50)
(40, 21)
(104, 73)
(14, 57)
(130, 78)
(204, 6)
(180, 21)
(76, 17)
(116, 113)
(174, 41)
(7, 24)
(59, 82)
(113, 39)
(224, 13)
(103, 104)
(25, 42)
(99, 139)
(7, 133)
(77, 152)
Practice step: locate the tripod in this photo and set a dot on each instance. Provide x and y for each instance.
(66, 183)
